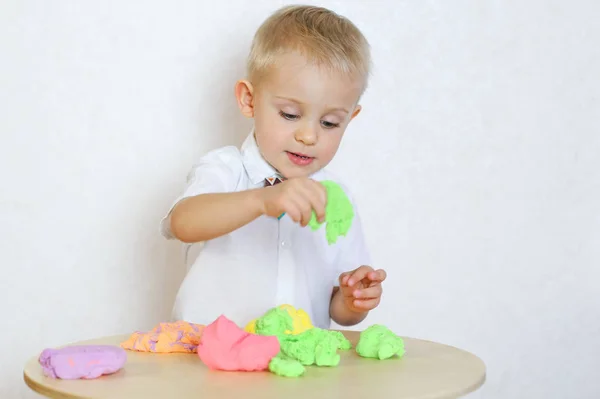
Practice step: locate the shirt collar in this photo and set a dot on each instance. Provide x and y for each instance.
(256, 166)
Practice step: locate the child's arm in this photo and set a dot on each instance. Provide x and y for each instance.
(357, 290)
(207, 216)
(340, 313)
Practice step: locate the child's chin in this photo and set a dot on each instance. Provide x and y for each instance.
(295, 172)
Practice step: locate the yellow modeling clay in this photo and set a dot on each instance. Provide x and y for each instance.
(300, 320)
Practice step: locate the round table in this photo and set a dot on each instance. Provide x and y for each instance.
(427, 370)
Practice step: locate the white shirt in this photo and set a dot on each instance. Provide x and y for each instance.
(265, 263)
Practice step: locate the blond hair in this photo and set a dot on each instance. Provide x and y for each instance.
(322, 36)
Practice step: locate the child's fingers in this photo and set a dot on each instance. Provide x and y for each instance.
(321, 201)
(366, 304)
(359, 274)
(314, 196)
(300, 209)
(305, 200)
(377, 275)
(368, 293)
(306, 210)
(321, 191)
(344, 278)
(291, 209)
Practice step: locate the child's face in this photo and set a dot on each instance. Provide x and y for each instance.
(300, 114)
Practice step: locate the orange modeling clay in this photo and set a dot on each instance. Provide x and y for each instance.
(179, 336)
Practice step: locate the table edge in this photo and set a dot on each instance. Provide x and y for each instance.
(472, 388)
(49, 393)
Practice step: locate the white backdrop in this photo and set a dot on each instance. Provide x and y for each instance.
(476, 162)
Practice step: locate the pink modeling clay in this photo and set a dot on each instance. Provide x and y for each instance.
(225, 346)
(85, 361)
(179, 336)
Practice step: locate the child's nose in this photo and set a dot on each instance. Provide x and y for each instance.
(307, 135)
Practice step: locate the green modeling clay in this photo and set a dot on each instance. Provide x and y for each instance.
(343, 342)
(299, 348)
(379, 342)
(286, 367)
(326, 351)
(338, 213)
(275, 322)
(315, 346)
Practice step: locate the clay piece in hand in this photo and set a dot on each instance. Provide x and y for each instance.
(339, 213)
(225, 346)
(379, 342)
(82, 361)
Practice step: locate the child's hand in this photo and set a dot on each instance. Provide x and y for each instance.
(296, 197)
(361, 288)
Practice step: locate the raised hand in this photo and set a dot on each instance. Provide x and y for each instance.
(361, 288)
(298, 198)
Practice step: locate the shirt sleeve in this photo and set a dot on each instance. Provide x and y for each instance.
(354, 251)
(216, 172)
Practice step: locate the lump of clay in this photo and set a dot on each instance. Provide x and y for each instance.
(275, 322)
(338, 213)
(300, 319)
(379, 342)
(82, 361)
(225, 346)
(343, 342)
(311, 346)
(326, 351)
(179, 336)
(285, 366)
(315, 346)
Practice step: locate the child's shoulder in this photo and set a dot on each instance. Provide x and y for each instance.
(228, 154)
(226, 160)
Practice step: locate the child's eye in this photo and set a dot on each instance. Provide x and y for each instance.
(289, 117)
(329, 125)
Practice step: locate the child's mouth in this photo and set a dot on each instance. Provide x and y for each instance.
(299, 159)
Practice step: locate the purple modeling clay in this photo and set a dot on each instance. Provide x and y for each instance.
(84, 361)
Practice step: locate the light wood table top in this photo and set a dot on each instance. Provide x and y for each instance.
(428, 370)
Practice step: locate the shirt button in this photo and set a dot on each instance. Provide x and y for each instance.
(285, 244)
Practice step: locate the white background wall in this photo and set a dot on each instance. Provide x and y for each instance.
(482, 197)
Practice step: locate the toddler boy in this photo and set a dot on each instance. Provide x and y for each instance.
(306, 72)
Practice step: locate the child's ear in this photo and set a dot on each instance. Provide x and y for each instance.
(356, 112)
(244, 92)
